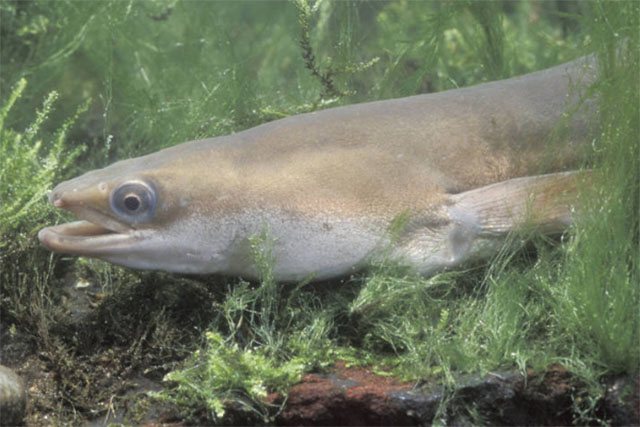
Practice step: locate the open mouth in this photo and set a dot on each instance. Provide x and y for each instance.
(85, 237)
(82, 238)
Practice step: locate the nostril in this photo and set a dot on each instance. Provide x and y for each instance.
(55, 197)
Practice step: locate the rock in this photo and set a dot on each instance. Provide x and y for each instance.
(13, 398)
(350, 396)
(357, 396)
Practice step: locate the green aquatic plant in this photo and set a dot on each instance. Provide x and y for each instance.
(31, 161)
(223, 374)
(30, 164)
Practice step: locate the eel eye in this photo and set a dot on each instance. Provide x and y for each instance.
(134, 201)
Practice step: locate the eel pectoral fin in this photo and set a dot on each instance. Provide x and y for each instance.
(545, 202)
(473, 225)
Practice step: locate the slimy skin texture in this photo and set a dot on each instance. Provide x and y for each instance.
(464, 166)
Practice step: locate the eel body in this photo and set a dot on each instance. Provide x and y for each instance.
(461, 168)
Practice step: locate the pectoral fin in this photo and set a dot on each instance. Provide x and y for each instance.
(545, 202)
(473, 224)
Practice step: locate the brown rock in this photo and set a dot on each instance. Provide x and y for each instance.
(357, 396)
(350, 397)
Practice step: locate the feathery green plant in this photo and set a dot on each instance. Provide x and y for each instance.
(29, 165)
(31, 161)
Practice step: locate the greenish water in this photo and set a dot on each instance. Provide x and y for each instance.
(83, 84)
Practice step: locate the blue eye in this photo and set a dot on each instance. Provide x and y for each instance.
(134, 201)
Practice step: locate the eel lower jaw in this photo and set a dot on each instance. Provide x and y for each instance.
(84, 238)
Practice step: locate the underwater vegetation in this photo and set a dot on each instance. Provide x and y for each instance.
(83, 84)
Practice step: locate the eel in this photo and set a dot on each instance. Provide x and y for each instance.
(433, 180)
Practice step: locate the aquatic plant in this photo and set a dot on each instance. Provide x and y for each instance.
(31, 161)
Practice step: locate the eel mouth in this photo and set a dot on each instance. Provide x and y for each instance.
(86, 237)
